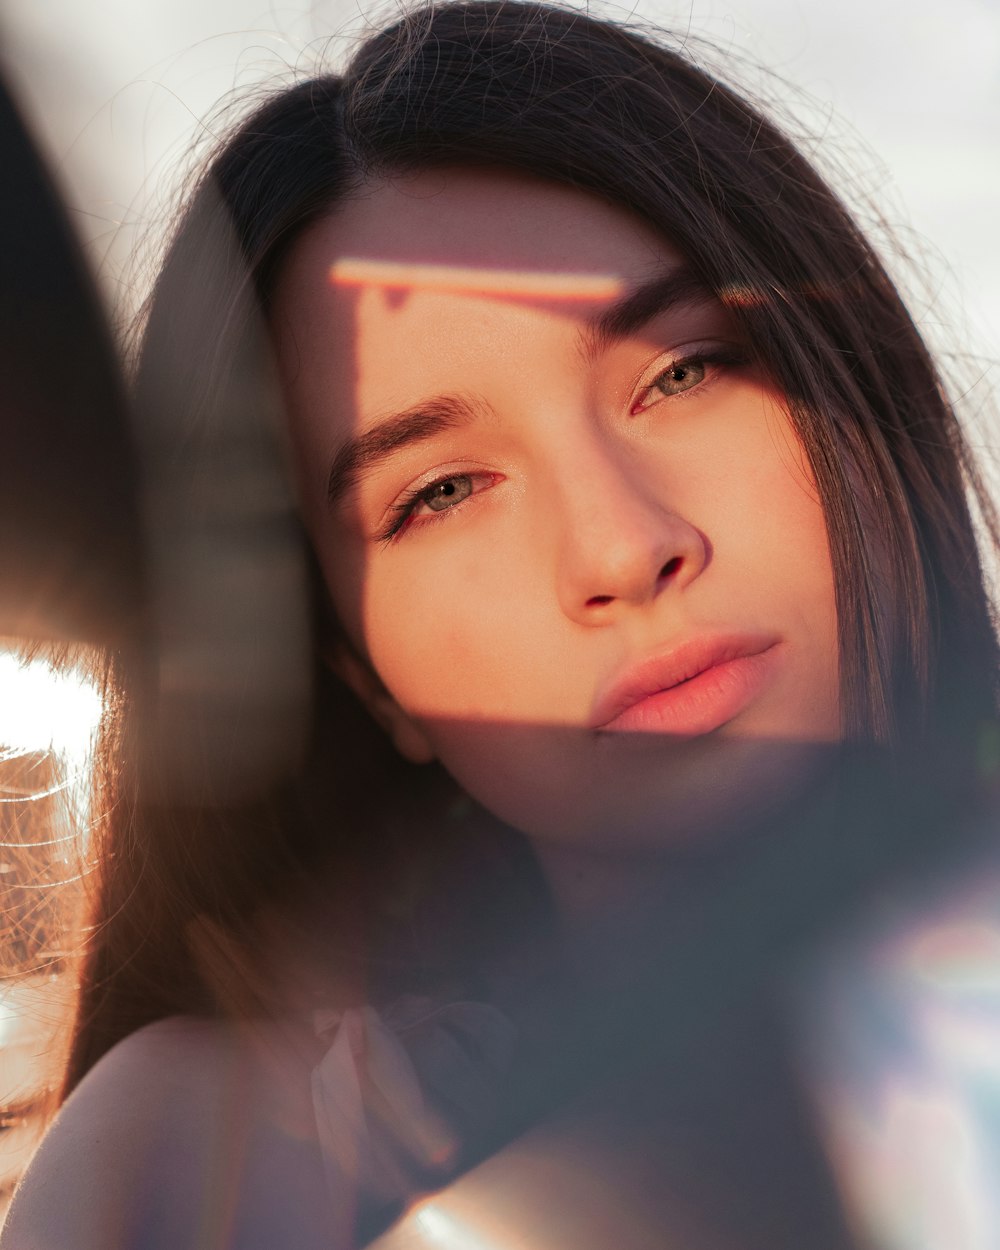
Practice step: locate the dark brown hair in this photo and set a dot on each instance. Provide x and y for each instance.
(591, 104)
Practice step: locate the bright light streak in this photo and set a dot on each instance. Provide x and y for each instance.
(44, 708)
(444, 1232)
(48, 711)
(395, 275)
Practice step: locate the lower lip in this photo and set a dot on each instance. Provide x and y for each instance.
(702, 704)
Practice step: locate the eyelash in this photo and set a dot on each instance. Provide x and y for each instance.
(723, 356)
(406, 507)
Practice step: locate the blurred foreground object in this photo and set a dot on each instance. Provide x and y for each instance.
(170, 579)
(817, 1065)
(69, 575)
(69, 537)
(172, 544)
(225, 558)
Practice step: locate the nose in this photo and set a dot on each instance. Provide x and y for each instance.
(622, 543)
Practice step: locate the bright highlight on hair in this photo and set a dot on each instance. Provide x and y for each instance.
(397, 276)
(45, 708)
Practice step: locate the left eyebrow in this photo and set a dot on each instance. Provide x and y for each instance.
(359, 455)
(652, 299)
(363, 453)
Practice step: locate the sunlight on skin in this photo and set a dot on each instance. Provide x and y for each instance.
(443, 1230)
(554, 1189)
(393, 275)
(593, 539)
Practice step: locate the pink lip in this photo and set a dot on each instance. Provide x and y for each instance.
(690, 690)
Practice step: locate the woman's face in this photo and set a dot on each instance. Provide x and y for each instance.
(571, 534)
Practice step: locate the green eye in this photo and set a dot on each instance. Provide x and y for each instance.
(446, 494)
(680, 377)
(440, 496)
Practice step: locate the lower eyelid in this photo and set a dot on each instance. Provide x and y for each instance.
(650, 393)
(716, 361)
(412, 505)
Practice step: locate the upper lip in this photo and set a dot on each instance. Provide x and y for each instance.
(670, 668)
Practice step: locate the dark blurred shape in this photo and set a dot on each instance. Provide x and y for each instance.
(69, 554)
(228, 587)
(176, 548)
(680, 1104)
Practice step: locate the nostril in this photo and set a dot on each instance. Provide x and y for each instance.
(672, 567)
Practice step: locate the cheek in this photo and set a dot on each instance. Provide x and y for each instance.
(441, 638)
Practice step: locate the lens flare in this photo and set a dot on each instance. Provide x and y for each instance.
(46, 708)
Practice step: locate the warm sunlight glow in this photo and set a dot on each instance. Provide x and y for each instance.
(462, 279)
(43, 708)
(443, 1231)
(49, 715)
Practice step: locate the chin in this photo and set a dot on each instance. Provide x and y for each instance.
(705, 796)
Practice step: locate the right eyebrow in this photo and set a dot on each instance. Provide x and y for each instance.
(422, 421)
(665, 291)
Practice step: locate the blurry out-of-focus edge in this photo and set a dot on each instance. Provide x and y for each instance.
(69, 582)
(74, 582)
(559, 1187)
(225, 558)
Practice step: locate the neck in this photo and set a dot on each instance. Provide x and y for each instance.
(628, 921)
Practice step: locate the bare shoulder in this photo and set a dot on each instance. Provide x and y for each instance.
(187, 1133)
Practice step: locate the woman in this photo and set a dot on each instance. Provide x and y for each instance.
(631, 492)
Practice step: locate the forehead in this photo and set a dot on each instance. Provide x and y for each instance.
(412, 278)
(470, 234)
(491, 219)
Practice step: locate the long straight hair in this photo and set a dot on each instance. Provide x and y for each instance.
(591, 104)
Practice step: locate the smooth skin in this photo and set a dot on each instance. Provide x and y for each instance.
(593, 503)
